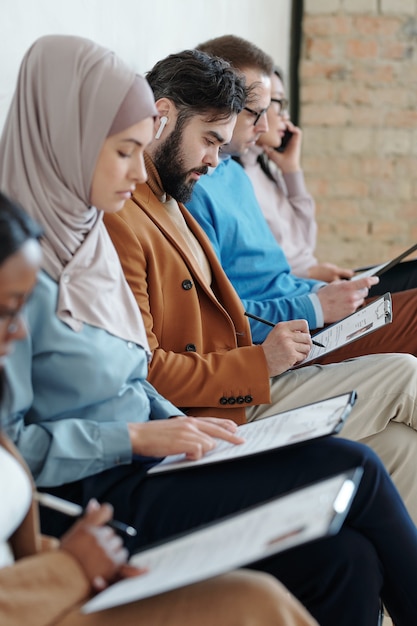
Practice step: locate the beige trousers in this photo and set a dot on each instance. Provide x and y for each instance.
(384, 416)
(241, 598)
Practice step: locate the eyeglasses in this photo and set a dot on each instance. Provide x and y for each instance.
(282, 104)
(257, 114)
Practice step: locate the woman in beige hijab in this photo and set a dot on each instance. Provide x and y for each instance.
(66, 131)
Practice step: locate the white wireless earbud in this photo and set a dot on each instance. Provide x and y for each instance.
(162, 123)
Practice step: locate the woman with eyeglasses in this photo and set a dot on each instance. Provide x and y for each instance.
(273, 165)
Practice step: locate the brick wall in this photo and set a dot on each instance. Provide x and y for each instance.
(358, 110)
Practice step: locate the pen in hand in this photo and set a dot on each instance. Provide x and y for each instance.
(75, 510)
(268, 323)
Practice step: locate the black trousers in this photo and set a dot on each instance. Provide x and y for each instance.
(401, 277)
(339, 579)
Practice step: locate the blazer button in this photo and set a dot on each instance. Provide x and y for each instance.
(248, 399)
(223, 400)
(231, 400)
(187, 284)
(190, 347)
(240, 399)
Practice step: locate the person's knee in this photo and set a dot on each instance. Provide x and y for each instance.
(352, 452)
(262, 600)
(404, 366)
(396, 446)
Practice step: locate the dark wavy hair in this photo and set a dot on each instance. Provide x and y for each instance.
(198, 84)
(16, 227)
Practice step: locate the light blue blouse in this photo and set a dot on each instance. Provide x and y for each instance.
(71, 394)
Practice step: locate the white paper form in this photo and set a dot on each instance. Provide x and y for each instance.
(377, 270)
(283, 429)
(361, 323)
(243, 538)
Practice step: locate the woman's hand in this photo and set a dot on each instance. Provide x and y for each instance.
(328, 272)
(289, 160)
(193, 436)
(97, 548)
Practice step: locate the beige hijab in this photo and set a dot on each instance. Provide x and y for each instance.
(69, 95)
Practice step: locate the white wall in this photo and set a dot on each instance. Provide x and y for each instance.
(140, 31)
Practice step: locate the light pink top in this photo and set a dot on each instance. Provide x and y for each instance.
(289, 210)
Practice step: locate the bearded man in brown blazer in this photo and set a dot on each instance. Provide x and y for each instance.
(204, 360)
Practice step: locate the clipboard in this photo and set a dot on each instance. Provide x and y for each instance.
(276, 525)
(377, 270)
(307, 422)
(365, 320)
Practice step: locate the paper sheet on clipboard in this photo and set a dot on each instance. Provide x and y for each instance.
(279, 524)
(311, 421)
(364, 321)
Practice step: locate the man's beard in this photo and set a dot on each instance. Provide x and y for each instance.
(169, 161)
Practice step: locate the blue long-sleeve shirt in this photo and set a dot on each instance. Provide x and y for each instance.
(225, 205)
(71, 394)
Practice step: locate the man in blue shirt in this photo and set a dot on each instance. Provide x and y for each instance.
(225, 205)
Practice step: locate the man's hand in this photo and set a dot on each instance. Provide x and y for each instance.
(287, 344)
(341, 298)
(193, 436)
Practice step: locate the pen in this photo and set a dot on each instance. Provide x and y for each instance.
(268, 323)
(75, 510)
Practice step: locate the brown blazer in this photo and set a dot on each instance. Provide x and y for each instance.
(44, 583)
(203, 358)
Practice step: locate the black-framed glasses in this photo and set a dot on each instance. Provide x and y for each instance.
(282, 104)
(257, 114)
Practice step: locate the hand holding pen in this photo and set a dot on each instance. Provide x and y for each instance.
(268, 323)
(75, 510)
(287, 345)
(98, 550)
